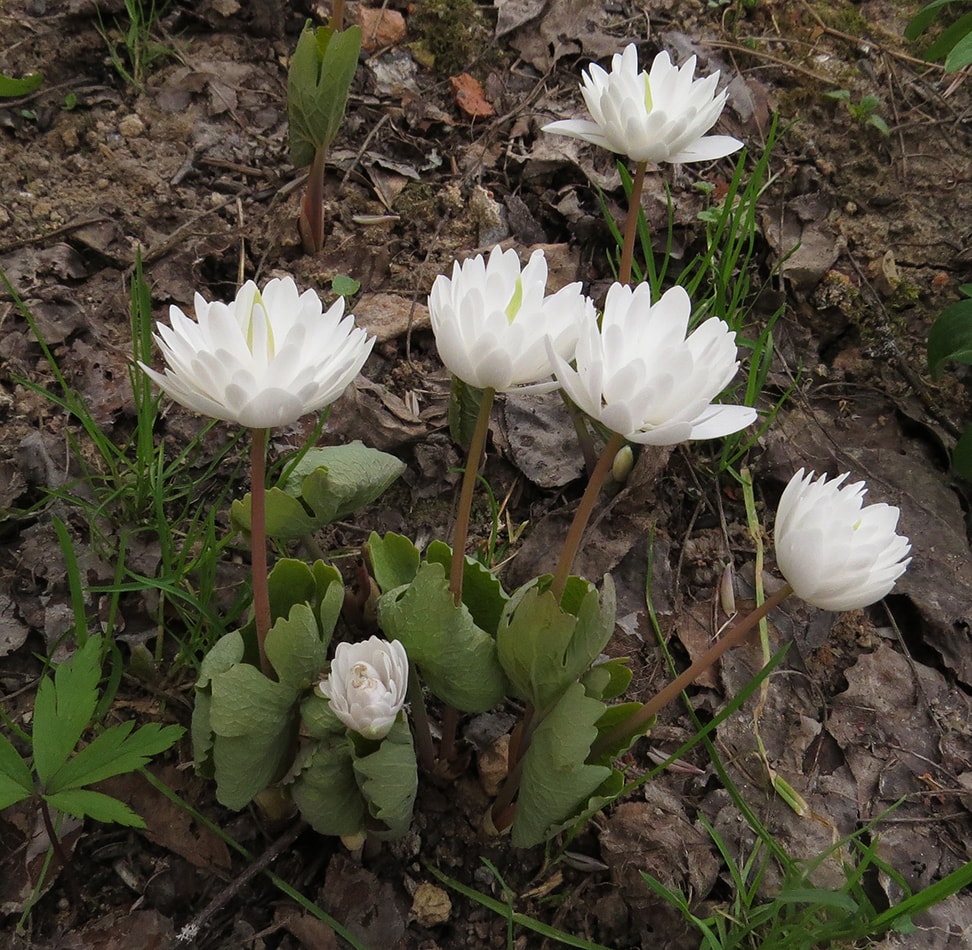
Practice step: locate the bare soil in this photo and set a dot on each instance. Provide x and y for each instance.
(863, 238)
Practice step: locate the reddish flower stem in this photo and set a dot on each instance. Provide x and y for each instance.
(631, 223)
(583, 514)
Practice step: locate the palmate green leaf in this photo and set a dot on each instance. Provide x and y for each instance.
(482, 592)
(556, 782)
(327, 484)
(950, 337)
(394, 560)
(326, 789)
(318, 83)
(226, 653)
(84, 803)
(16, 781)
(63, 708)
(295, 648)
(115, 751)
(456, 658)
(388, 779)
(318, 718)
(254, 722)
(543, 648)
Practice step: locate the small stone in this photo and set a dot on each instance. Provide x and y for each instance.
(431, 905)
(69, 139)
(493, 765)
(131, 127)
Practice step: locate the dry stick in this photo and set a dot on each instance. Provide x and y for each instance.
(190, 932)
(631, 223)
(258, 542)
(639, 719)
(583, 514)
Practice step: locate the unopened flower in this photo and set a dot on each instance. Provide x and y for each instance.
(263, 360)
(491, 319)
(640, 376)
(661, 116)
(836, 553)
(366, 685)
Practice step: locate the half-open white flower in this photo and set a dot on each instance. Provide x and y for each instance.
(836, 553)
(366, 685)
(640, 376)
(263, 360)
(661, 116)
(491, 320)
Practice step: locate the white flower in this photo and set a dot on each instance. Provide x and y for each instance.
(366, 685)
(836, 553)
(491, 320)
(642, 378)
(661, 116)
(263, 360)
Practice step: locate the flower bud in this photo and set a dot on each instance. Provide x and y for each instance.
(366, 685)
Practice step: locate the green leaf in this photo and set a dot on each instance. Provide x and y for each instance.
(464, 403)
(345, 286)
(388, 779)
(63, 708)
(394, 560)
(949, 37)
(226, 653)
(318, 83)
(327, 484)
(318, 717)
(482, 592)
(456, 658)
(12, 88)
(84, 803)
(326, 789)
(960, 54)
(254, 725)
(923, 18)
(16, 781)
(543, 647)
(114, 752)
(556, 781)
(950, 337)
(962, 455)
(609, 679)
(295, 648)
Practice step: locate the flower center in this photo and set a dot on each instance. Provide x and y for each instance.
(267, 327)
(648, 103)
(516, 301)
(360, 678)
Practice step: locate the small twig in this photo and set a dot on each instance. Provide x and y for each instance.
(190, 931)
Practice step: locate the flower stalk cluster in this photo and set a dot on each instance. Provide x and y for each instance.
(332, 727)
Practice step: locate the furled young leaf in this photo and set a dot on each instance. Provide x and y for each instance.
(556, 782)
(609, 679)
(950, 337)
(318, 83)
(464, 403)
(84, 803)
(388, 778)
(326, 790)
(12, 87)
(544, 648)
(295, 648)
(327, 484)
(318, 718)
(16, 781)
(115, 751)
(394, 560)
(64, 707)
(456, 658)
(482, 592)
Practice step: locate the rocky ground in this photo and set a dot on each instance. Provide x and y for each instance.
(861, 239)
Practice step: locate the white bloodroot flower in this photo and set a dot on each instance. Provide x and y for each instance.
(836, 553)
(491, 321)
(640, 376)
(661, 116)
(366, 685)
(263, 360)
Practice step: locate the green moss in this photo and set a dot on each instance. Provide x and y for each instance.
(453, 32)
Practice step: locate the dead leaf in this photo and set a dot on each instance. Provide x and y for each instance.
(380, 28)
(365, 905)
(469, 96)
(567, 28)
(512, 14)
(542, 439)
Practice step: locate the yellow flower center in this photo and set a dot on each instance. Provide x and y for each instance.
(258, 302)
(516, 301)
(648, 103)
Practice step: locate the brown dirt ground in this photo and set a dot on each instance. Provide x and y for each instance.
(868, 710)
